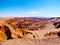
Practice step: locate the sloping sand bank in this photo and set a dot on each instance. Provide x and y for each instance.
(50, 41)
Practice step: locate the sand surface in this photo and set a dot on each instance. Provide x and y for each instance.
(50, 41)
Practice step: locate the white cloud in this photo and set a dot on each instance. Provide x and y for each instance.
(33, 12)
(25, 13)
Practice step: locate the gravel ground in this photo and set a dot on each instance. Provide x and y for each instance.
(50, 41)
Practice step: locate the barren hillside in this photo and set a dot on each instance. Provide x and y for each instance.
(39, 29)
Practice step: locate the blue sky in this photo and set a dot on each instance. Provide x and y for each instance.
(29, 8)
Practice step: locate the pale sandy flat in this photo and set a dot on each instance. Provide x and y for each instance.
(50, 41)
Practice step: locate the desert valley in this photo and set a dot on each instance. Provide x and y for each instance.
(29, 31)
